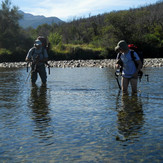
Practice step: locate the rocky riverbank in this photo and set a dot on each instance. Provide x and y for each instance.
(154, 62)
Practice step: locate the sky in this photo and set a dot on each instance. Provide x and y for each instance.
(68, 10)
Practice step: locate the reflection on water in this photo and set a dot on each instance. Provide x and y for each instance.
(80, 117)
(39, 103)
(130, 117)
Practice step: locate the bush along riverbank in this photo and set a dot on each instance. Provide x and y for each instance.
(149, 62)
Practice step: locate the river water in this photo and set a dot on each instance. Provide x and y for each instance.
(81, 116)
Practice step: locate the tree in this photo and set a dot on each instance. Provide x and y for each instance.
(55, 39)
(9, 27)
(43, 30)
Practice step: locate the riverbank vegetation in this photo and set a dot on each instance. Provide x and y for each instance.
(84, 38)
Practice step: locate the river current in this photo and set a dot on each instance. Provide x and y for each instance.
(80, 116)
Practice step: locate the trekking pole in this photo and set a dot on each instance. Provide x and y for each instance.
(147, 77)
(30, 72)
(118, 82)
(27, 65)
(28, 76)
(140, 74)
(116, 76)
(48, 67)
(27, 71)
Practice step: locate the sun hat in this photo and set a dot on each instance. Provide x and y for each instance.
(121, 45)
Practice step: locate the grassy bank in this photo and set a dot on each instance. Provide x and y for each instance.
(59, 52)
(17, 55)
(70, 51)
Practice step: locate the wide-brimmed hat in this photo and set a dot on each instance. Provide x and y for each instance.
(121, 45)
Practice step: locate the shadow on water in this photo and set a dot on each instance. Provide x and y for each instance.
(40, 108)
(130, 117)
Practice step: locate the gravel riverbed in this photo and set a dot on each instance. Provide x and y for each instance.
(149, 62)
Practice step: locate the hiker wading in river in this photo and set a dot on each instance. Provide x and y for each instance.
(38, 56)
(128, 68)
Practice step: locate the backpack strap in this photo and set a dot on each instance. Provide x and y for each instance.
(132, 54)
(133, 58)
(140, 73)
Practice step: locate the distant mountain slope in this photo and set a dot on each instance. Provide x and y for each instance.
(34, 21)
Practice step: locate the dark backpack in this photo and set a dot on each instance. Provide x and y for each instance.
(133, 48)
(44, 42)
(134, 58)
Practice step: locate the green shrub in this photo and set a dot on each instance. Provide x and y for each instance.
(5, 52)
(5, 55)
(15, 56)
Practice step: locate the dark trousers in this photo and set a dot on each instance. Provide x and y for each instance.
(41, 71)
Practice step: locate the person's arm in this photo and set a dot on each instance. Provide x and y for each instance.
(119, 62)
(28, 57)
(139, 65)
(28, 60)
(138, 62)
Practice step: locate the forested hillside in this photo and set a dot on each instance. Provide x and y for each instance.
(85, 38)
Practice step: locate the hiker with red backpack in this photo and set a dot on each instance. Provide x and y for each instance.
(38, 56)
(127, 66)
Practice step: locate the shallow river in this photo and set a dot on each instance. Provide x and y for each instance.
(81, 116)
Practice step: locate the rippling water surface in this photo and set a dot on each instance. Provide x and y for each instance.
(81, 116)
